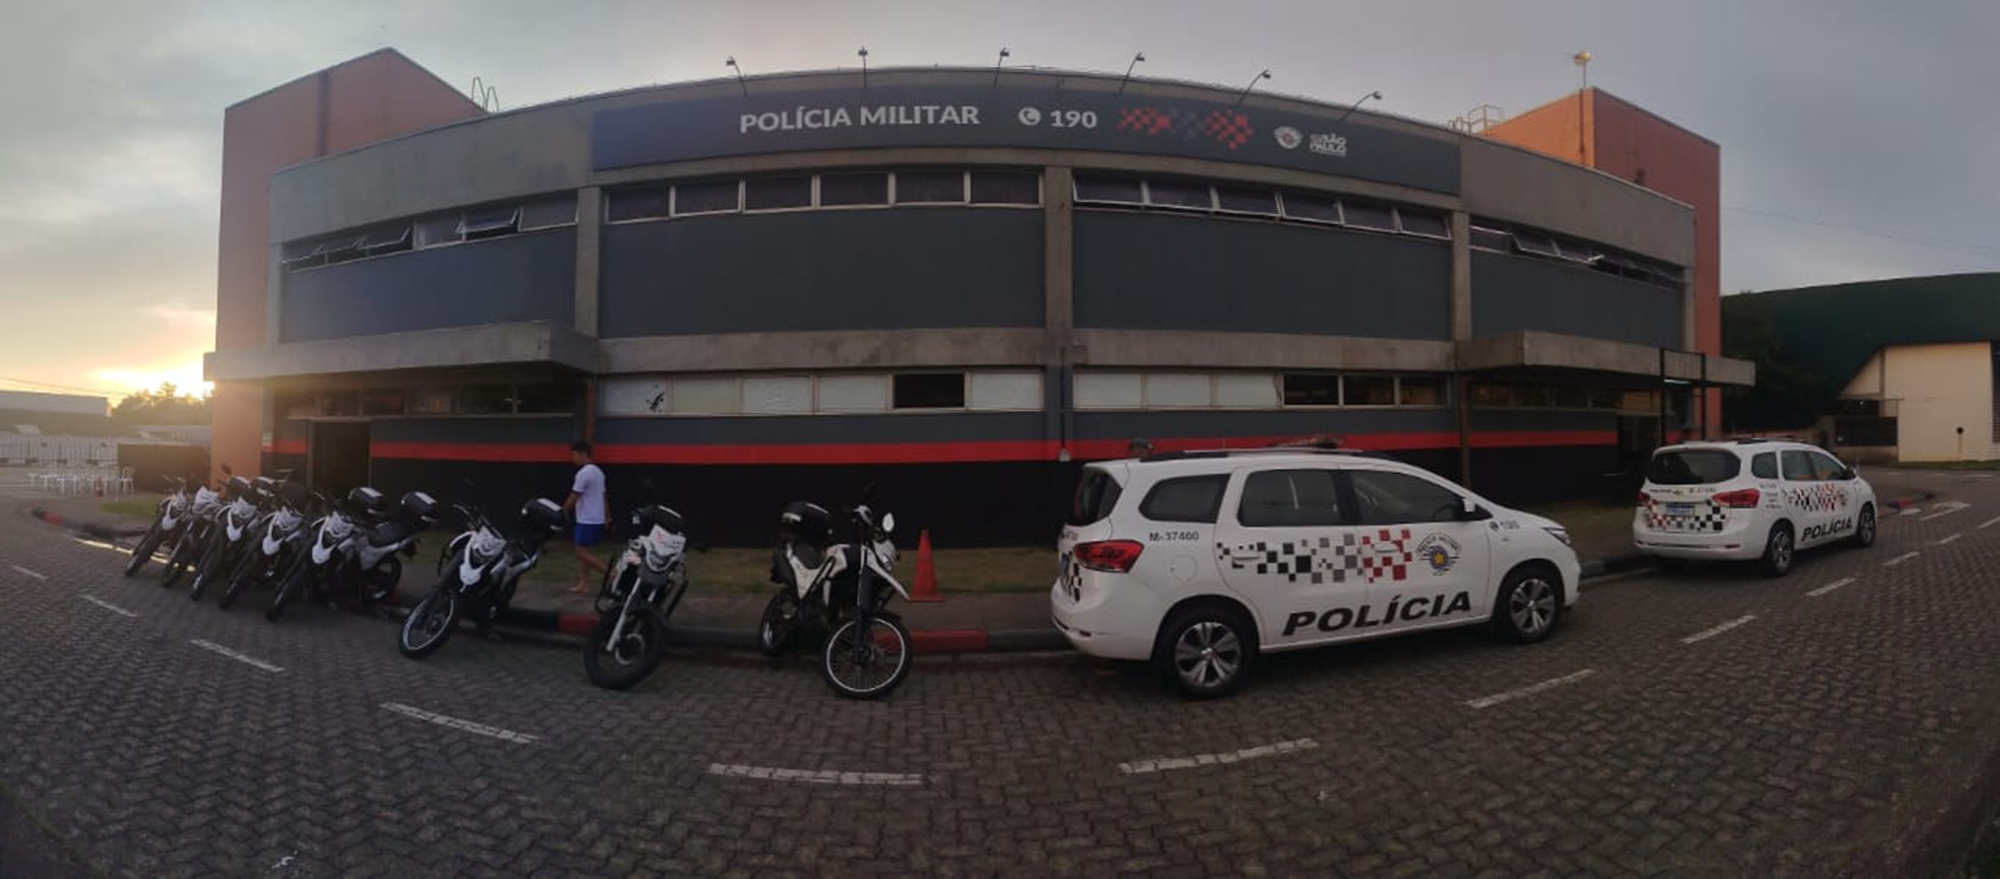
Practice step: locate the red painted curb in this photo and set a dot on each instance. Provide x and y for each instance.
(575, 624)
(949, 641)
(52, 518)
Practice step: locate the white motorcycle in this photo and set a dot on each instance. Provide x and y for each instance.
(229, 535)
(478, 572)
(839, 590)
(279, 533)
(635, 600)
(201, 514)
(170, 518)
(355, 547)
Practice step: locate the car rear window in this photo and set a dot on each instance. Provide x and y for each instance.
(1186, 499)
(1693, 467)
(1096, 495)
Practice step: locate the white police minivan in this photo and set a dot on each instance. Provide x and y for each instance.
(1199, 561)
(1749, 499)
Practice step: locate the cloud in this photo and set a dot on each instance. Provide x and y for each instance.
(182, 317)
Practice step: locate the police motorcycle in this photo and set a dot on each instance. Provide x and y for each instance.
(637, 596)
(202, 515)
(839, 590)
(478, 572)
(170, 519)
(231, 530)
(276, 538)
(354, 547)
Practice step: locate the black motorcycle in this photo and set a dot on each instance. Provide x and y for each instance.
(840, 591)
(478, 572)
(231, 532)
(170, 519)
(277, 539)
(636, 598)
(353, 549)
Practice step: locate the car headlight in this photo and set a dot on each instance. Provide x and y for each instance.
(1558, 533)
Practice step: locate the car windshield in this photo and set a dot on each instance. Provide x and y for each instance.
(1692, 467)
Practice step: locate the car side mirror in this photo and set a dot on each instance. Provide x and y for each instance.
(1849, 474)
(1470, 510)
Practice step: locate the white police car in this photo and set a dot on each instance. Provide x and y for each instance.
(1749, 499)
(1199, 561)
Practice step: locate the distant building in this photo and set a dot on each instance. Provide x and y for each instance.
(1907, 366)
(63, 404)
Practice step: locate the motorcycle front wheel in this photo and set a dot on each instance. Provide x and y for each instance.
(143, 553)
(867, 658)
(780, 624)
(240, 577)
(290, 587)
(431, 622)
(179, 562)
(638, 650)
(208, 570)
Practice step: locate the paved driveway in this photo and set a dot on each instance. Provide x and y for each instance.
(1715, 723)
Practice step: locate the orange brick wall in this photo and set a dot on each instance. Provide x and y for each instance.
(370, 98)
(1624, 140)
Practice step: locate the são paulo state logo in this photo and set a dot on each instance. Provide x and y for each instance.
(1439, 551)
(1288, 137)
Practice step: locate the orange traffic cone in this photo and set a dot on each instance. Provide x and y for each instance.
(926, 586)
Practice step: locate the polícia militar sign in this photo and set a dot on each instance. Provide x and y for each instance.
(1014, 116)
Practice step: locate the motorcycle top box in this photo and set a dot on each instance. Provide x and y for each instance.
(542, 513)
(808, 522)
(365, 499)
(420, 506)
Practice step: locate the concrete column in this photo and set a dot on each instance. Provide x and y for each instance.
(1058, 312)
(1461, 276)
(274, 295)
(589, 228)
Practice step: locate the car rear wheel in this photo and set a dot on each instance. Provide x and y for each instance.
(1204, 651)
(1778, 551)
(1864, 528)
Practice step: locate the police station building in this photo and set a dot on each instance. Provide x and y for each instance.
(952, 284)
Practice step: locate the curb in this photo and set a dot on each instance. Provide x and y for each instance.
(89, 529)
(1907, 502)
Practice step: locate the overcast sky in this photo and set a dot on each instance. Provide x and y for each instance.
(1858, 138)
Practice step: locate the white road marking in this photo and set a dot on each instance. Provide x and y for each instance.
(1911, 511)
(504, 735)
(1949, 538)
(1830, 587)
(1989, 523)
(1530, 690)
(1945, 509)
(108, 606)
(1140, 767)
(29, 573)
(1900, 559)
(812, 776)
(1706, 634)
(213, 647)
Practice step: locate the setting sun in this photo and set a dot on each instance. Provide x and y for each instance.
(185, 377)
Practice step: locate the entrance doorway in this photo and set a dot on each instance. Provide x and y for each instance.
(337, 457)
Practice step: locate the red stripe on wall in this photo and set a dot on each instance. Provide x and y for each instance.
(950, 452)
(508, 452)
(287, 447)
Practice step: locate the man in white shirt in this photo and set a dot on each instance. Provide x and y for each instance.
(586, 501)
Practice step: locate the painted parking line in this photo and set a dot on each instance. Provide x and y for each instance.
(505, 735)
(246, 659)
(1530, 690)
(1900, 559)
(108, 606)
(1989, 523)
(1945, 509)
(1948, 538)
(1830, 587)
(1162, 764)
(815, 776)
(1706, 634)
(33, 574)
(1911, 511)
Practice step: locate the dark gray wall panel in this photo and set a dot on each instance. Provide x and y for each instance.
(1542, 419)
(823, 270)
(812, 429)
(1520, 293)
(1173, 272)
(517, 429)
(525, 277)
(1126, 425)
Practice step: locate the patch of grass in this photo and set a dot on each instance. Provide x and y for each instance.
(1019, 569)
(130, 509)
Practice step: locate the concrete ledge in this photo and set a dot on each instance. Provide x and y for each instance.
(1535, 349)
(531, 342)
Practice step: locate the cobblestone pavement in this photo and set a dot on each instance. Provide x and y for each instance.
(1826, 733)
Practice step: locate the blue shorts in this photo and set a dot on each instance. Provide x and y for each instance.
(589, 535)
